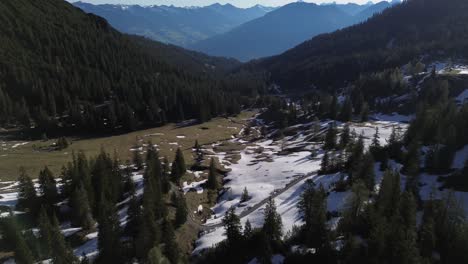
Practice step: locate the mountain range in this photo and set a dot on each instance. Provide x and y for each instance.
(228, 31)
(285, 28)
(174, 25)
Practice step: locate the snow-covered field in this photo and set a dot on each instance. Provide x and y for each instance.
(263, 169)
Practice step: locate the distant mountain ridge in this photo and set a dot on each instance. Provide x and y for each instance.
(405, 32)
(285, 28)
(174, 25)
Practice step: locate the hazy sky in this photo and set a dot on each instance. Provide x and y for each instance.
(240, 3)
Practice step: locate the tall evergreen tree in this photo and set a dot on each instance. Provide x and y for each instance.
(12, 237)
(27, 196)
(81, 210)
(232, 227)
(171, 249)
(48, 187)
(181, 211)
(109, 246)
(212, 182)
(330, 137)
(345, 136)
(273, 225)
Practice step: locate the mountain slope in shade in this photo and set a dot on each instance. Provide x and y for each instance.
(175, 25)
(63, 68)
(280, 30)
(399, 34)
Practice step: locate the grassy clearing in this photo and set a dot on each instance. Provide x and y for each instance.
(34, 155)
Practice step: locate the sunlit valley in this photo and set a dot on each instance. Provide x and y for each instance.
(140, 132)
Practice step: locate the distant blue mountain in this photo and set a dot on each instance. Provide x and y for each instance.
(174, 25)
(285, 28)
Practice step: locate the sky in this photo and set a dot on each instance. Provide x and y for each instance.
(239, 3)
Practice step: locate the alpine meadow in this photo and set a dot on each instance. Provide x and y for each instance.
(157, 132)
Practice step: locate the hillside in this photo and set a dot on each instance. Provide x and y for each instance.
(400, 34)
(281, 29)
(174, 25)
(62, 68)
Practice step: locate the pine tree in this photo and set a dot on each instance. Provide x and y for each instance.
(272, 226)
(27, 197)
(12, 236)
(245, 195)
(376, 139)
(411, 168)
(165, 183)
(48, 187)
(180, 161)
(248, 232)
(233, 227)
(61, 251)
(81, 210)
(325, 164)
(365, 171)
(354, 208)
(45, 233)
(330, 137)
(155, 256)
(212, 182)
(171, 249)
(345, 136)
(109, 234)
(134, 217)
(313, 207)
(181, 211)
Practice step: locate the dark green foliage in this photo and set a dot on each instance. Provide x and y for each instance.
(178, 166)
(171, 249)
(212, 182)
(313, 207)
(345, 136)
(245, 195)
(110, 248)
(70, 70)
(53, 241)
(272, 226)
(48, 187)
(81, 210)
(325, 164)
(181, 210)
(27, 196)
(233, 227)
(365, 171)
(11, 234)
(155, 256)
(330, 137)
(349, 53)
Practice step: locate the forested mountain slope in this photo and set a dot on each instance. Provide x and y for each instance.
(176, 25)
(404, 32)
(60, 67)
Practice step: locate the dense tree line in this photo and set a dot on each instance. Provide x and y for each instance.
(400, 34)
(62, 68)
(90, 196)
